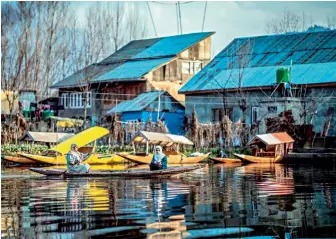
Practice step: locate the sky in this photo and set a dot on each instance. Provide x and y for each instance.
(228, 19)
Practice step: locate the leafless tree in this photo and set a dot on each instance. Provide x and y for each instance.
(331, 22)
(289, 21)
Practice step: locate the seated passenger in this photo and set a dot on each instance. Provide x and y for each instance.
(222, 154)
(159, 160)
(74, 161)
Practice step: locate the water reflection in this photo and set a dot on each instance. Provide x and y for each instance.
(225, 201)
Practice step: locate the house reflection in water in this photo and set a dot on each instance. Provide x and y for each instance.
(256, 197)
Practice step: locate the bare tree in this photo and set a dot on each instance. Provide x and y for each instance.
(289, 21)
(331, 22)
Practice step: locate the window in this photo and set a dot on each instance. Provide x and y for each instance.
(197, 66)
(64, 100)
(217, 114)
(185, 67)
(254, 114)
(191, 67)
(77, 100)
(272, 109)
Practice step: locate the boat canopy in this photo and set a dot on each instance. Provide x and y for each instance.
(142, 137)
(81, 139)
(272, 138)
(67, 122)
(46, 137)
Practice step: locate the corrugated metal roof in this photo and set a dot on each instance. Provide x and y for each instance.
(172, 45)
(262, 55)
(78, 78)
(132, 69)
(130, 50)
(137, 104)
(261, 76)
(136, 59)
(273, 138)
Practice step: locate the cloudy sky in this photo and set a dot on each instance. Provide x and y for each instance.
(227, 19)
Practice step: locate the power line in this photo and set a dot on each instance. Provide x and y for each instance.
(150, 13)
(179, 8)
(205, 8)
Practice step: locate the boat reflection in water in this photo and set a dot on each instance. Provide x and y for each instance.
(217, 201)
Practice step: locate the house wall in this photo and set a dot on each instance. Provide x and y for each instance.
(118, 92)
(173, 120)
(204, 105)
(171, 76)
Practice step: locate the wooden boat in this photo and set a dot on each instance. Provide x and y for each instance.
(268, 148)
(225, 160)
(140, 173)
(56, 155)
(172, 159)
(254, 159)
(166, 140)
(18, 160)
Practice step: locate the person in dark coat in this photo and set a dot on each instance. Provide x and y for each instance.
(159, 160)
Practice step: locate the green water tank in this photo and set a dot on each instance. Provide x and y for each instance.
(283, 75)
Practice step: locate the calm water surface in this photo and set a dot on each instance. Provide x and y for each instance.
(217, 201)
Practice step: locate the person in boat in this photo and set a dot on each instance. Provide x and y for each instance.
(74, 161)
(222, 154)
(159, 160)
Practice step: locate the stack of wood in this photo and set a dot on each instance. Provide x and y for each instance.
(284, 122)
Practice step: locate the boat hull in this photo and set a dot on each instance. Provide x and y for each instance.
(172, 159)
(225, 160)
(140, 173)
(19, 160)
(60, 160)
(254, 159)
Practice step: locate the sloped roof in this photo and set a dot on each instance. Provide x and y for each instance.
(46, 137)
(135, 59)
(272, 138)
(160, 138)
(137, 104)
(259, 58)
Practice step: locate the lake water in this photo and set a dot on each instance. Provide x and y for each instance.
(216, 201)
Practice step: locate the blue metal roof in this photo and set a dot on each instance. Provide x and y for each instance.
(138, 58)
(313, 52)
(132, 69)
(137, 104)
(172, 45)
(263, 76)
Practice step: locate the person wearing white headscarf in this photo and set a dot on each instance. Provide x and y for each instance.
(159, 160)
(74, 161)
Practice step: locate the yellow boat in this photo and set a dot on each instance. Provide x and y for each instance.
(20, 160)
(166, 140)
(56, 155)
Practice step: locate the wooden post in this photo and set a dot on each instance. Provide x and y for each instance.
(146, 147)
(133, 147)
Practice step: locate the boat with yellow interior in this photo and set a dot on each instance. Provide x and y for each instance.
(46, 138)
(165, 140)
(268, 148)
(56, 155)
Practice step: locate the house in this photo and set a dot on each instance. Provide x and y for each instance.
(271, 73)
(157, 105)
(163, 63)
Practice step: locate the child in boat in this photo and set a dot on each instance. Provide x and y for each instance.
(74, 161)
(159, 160)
